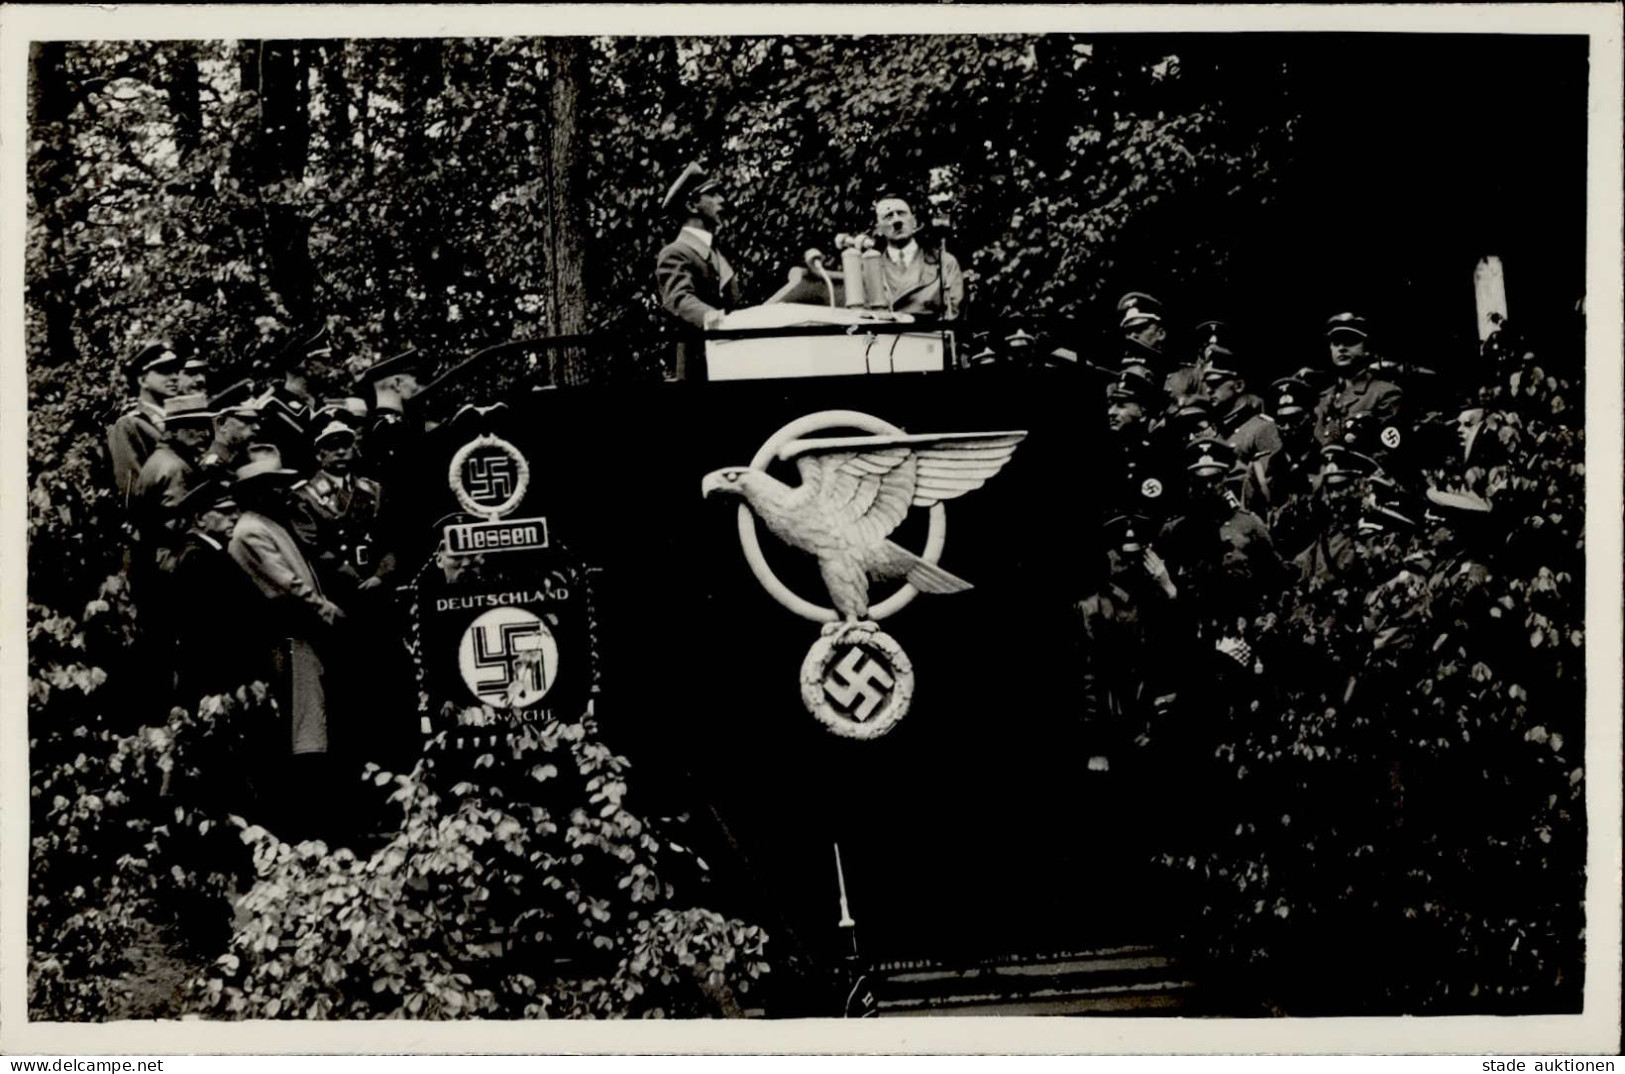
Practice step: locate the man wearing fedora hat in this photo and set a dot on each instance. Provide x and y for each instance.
(300, 611)
(696, 283)
(168, 472)
(207, 582)
(152, 374)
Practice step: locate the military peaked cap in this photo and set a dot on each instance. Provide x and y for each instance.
(1293, 396)
(179, 408)
(1128, 532)
(237, 399)
(334, 428)
(1210, 456)
(693, 182)
(1347, 322)
(1223, 365)
(305, 345)
(1137, 307)
(410, 360)
(150, 357)
(1132, 384)
(1212, 333)
(1137, 353)
(1339, 464)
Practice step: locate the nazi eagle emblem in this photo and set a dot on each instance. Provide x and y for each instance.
(854, 492)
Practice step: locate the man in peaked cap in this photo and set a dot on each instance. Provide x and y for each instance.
(1143, 483)
(1345, 476)
(335, 515)
(236, 425)
(696, 283)
(1238, 414)
(1356, 388)
(1140, 319)
(1220, 553)
(210, 589)
(152, 373)
(1284, 489)
(395, 427)
(194, 376)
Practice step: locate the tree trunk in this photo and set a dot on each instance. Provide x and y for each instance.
(51, 179)
(567, 297)
(336, 89)
(184, 99)
(280, 157)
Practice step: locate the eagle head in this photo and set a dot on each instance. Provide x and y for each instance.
(731, 480)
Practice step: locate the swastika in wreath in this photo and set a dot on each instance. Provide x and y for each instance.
(489, 476)
(858, 676)
(490, 479)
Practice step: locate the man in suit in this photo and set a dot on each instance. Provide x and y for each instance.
(697, 284)
(918, 281)
(153, 373)
(264, 548)
(168, 473)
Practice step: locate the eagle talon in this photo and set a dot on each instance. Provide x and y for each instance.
(837, 632)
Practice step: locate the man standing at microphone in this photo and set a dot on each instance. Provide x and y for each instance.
(917, 281)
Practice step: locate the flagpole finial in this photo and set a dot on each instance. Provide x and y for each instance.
(846, 921)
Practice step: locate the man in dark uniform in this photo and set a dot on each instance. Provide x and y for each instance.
(1238, 414)
(1357, 390)
(287, 409)
(236, 425)
(1283, 489)
(1344, 482)
(395, 426)
(1142, 481)
(335, 515)
(697, 285)
(153, 374)
(1220, 553)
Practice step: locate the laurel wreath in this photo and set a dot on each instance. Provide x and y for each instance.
(816, 666)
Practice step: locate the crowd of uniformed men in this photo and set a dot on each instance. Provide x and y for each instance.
(276, 503)
(1228, 493)
(267, 508)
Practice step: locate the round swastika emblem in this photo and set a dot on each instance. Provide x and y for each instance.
(857, 683)
(1390, 437)
(509, 658)
(1151, 488)
(489, 476)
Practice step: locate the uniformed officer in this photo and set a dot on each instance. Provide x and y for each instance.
(1143, 482)
(1186, 382)
(168, 474)
(336, 516)
(153, 374)
(696, 283)
(1283, 489)
(1357, 389)
(1238, 414)
(1341, 492)
(395, 427)
(287, 409)
(194, 376)
(1220, 552)
(1127, 626)
(236, 425)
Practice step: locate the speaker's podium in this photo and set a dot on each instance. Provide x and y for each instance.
(803, 331)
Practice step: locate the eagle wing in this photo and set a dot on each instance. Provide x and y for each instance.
(866, 484)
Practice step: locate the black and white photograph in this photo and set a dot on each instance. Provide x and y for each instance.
(1002, 517)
